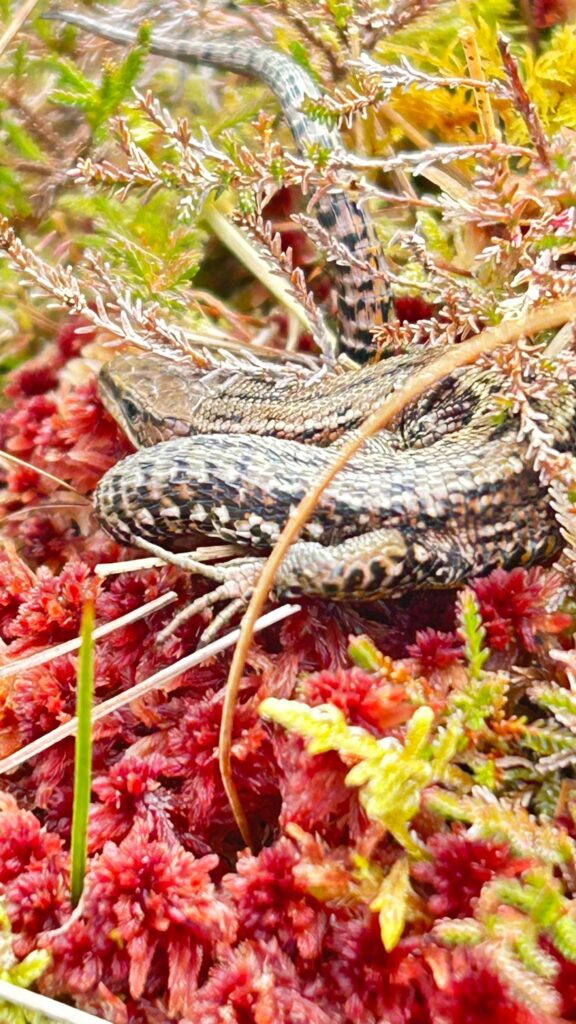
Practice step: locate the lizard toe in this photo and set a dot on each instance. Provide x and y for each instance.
(239, 578)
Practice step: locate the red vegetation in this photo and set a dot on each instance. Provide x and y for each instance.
(513, 606)
(547, 13)
(475, 994)
(355, 693)
(51, 609)
(175, 924)
(435, 650)
(158, 902)
(460, 868)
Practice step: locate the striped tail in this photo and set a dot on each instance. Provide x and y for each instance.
(364, 298)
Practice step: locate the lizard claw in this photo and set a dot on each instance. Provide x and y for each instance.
(223, 618)
(238, 577)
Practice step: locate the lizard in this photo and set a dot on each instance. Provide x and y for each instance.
(447, 495)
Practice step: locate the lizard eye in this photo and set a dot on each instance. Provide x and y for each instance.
(130, 410)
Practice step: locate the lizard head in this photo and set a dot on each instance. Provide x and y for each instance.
(150, 396)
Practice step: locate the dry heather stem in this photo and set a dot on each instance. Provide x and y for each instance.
(553, 315)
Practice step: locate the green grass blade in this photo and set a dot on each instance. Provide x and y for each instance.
(83, 756)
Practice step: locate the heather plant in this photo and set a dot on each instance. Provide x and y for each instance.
(406, 770)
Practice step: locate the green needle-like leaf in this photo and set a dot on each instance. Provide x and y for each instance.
(83, 758)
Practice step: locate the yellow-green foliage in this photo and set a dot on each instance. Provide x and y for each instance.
(539, 909)
(391, 903)
(473, 633)
(551, 79)
(492, 819)
(23, 973)
(390, 775)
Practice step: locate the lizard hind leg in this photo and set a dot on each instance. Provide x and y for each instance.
(235, 579)
(379, 564)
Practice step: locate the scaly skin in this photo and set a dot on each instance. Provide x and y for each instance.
(449, 495)
(156, 399)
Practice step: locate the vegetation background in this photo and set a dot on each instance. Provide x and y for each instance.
(407, 769)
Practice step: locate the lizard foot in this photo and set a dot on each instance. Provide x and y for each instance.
(237, 579)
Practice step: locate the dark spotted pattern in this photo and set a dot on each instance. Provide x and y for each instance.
(156, 399)
(398, 517)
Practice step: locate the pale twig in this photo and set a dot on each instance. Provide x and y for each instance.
(51, 1008)
(104, 569)
(271, 242)
(481, 95)
(153, 682)
(21, 15)
(443, 178)
(202, 554)
(125, 317)
(49, 653)
(51, 506)
(15, 461)
(419, 162)
(234, 240)
(562, 340)
(549, 316)
(398, 14)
